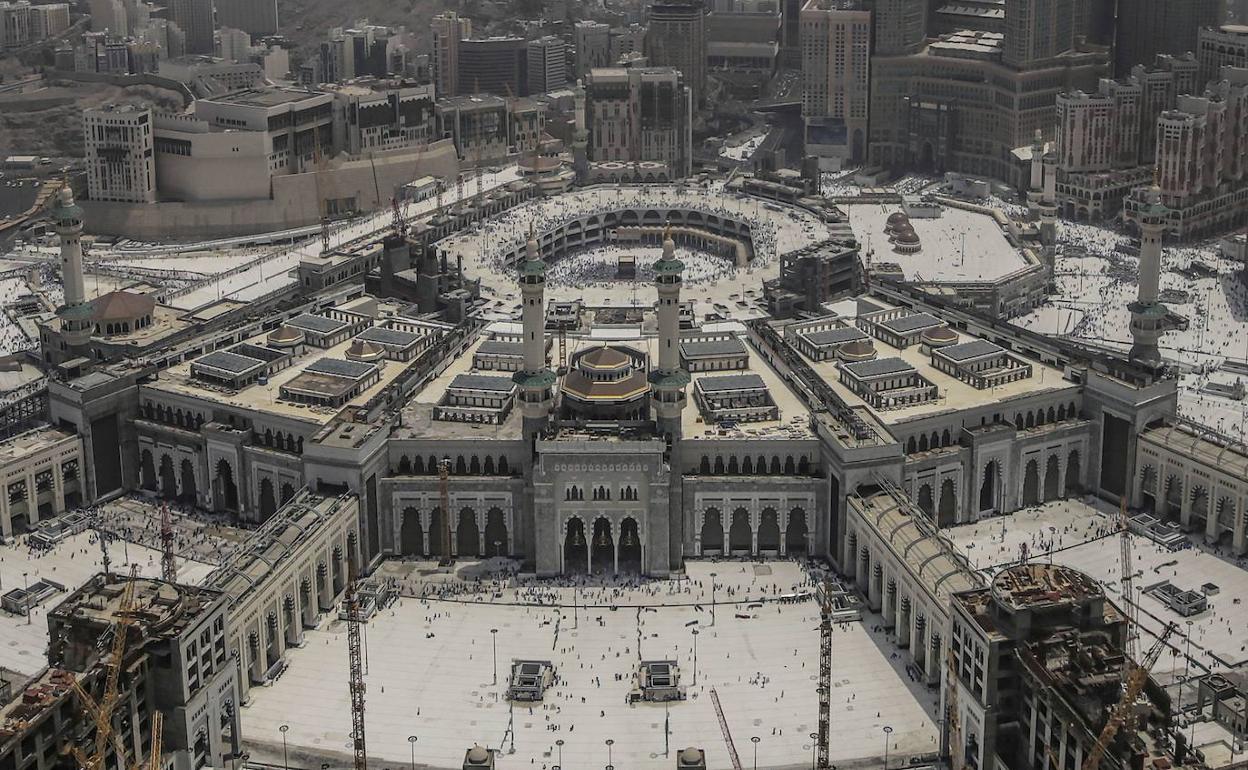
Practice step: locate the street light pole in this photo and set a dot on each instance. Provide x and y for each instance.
(610, 743)
(755, 741)
(695, 656)
(559, 745)
(26, 598)
(285, 759)
(814, 751)
(411, 739)
(494, 638)
(888, 731)
(712, 598)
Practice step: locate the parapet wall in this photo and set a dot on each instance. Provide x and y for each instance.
(293, 202)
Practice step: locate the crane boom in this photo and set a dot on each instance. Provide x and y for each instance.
(825, 674)
(1128, 580)
(1121, 712)
(356, 662)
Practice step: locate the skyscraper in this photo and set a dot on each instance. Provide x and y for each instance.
(677, 38)
(593, 46)
(195, 18)
(257, 17)
(448, 30)
(545, 60)
(1149, 27)
(836, 69)
(899, 26)
(1037, 30)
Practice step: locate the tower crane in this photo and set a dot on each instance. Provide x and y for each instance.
(444, 493)
(825, 674)
(956, 762)
(101, 711)
(168, 557)
(1128, 579)
(351, 602)
(1121, 712)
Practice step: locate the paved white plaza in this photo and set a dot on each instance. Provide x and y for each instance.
(431, 675)
(1082, 535)
(23, 645)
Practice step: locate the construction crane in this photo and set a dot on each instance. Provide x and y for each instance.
(723, 728)
(168, 557)
(951, 713)
(444, 492)
(1120, 715)
(1128, 579)
(355, 652)
(101, 711)
(825, 673)
(322, 205)
(399, 223)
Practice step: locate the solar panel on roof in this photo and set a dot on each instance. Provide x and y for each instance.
(336, 367)
(501, 348)
(482, 382)
(697, 348)
(911, 323)
(228, 362)
(835, 336)
(387, 336)
(316, 323)
(879, 367)
(731, 382)
(969, 350)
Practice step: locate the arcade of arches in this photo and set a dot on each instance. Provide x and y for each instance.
(473, 531)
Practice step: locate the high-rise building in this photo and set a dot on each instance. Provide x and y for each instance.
(1100, 131)
(1038, 30)
(956, 106)
(195, 18)
(448, 30)
(233, 44)
(48, 20)
(899, 26)
(592, 41)
(546, 59)
(257, 17)
(625, 40)
(121, 162)
(1148, 27)
(15, 24)
(642, 114)
(1217, 47)
(836, 70)
(676, 38)
(493, 65)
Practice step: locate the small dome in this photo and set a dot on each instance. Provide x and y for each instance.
(362, 350)
(478, 755)
(897, 218)
(691, 756)
(285, 336)
(605, 358)
(939, 336)
(906, 235)
(858, 350)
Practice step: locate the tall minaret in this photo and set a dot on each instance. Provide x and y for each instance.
(75, 314)
(1036, 185)
(668, 380)
(1149, 317)
(536, 381)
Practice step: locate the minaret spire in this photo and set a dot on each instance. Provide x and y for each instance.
(75, 314)
(536, 381)
(668, 380)
(1149, 317)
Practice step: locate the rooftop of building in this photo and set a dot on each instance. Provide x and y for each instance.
(954, 395)
(274, 96)
(160, 610)
(32, 442)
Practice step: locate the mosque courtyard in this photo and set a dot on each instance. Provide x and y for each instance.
(433, 691)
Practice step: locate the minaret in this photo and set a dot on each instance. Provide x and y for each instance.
(1048, 212)
(1149, 317)
(580, 137)
(75, 314)
(536, 381)
(667, 380)
(1034, 189)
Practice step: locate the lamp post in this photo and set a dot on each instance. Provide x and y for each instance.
(494, 644)
(695, 656)
(888, 731)
(1187, 672)
(411, 739)
(814, 751)
(285, 759)
(755, 741)
(610, 743)
(712, 598)
(26, 598)
(559, 745)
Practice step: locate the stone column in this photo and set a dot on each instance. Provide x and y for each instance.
(58, 489)
(1238, 534)
(1211, 517)
(755, 520)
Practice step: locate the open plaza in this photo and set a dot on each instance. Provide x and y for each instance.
(432, 660)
